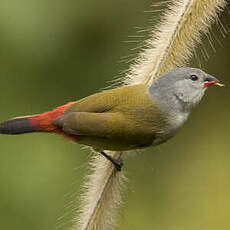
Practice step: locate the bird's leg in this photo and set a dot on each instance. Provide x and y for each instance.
(117, 163)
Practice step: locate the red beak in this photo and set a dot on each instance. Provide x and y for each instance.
(210, 80)
(208, 83)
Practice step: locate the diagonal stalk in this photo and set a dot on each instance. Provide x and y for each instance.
(172, 43)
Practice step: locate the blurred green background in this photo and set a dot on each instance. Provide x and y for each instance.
(54, 51)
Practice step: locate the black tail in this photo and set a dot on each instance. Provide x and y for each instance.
(16, 126)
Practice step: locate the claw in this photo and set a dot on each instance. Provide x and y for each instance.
(117, 163)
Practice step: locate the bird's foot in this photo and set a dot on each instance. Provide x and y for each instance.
(116, 162)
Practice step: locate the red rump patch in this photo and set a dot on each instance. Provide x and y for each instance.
(44, 121)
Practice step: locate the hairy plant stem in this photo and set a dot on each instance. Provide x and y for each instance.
(171, 44)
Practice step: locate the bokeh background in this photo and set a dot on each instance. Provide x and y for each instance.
(54, 51)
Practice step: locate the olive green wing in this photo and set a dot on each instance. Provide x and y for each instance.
(91, 124)
(110, 131)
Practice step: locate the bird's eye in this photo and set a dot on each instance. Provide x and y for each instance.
(193, 77)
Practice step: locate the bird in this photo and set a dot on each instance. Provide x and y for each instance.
(124, 118)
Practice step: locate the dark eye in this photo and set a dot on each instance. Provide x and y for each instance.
(193, 77)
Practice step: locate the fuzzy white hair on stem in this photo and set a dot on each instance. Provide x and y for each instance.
(172, 44)
(173, 40)
(101, 196)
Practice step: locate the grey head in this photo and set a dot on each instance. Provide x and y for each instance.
(181, 88)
